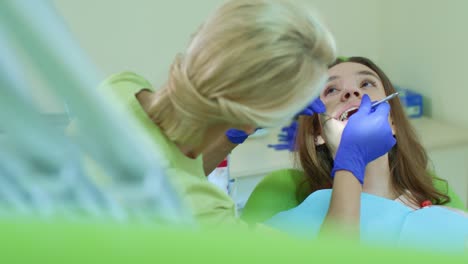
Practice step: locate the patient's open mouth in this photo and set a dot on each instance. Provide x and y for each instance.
(347, 114)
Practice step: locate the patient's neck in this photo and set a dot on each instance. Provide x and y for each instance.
(377, 179)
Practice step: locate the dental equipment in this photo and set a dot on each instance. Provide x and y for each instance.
(393, 95)
(346, 114)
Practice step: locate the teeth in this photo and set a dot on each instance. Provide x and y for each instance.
(344, 116)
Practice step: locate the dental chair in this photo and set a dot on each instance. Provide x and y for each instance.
(50, 211)
(283, 190)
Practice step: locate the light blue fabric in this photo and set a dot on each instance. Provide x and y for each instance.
(383, 222)
(435, 228)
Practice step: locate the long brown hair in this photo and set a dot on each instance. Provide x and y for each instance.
(408, 159)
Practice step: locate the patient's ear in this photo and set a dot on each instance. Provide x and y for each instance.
(318, 140)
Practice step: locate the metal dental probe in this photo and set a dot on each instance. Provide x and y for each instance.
(375, 104)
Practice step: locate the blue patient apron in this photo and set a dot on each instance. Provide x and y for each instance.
(383, 222)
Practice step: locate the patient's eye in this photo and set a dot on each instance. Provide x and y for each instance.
(368, 83)
(330, 90)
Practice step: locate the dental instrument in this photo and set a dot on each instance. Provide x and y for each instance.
(345, 114)
(393, 95)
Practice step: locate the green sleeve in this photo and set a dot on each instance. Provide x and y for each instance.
(125, 81)
(275, 193)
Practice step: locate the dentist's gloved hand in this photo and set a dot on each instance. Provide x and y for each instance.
(316, 106)
(366, 137)
(287, 138)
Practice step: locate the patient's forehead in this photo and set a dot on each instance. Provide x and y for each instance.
(349, 69)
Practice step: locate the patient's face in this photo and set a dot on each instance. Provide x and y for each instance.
(346, 85)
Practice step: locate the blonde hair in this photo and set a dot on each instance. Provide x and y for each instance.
(253, 62)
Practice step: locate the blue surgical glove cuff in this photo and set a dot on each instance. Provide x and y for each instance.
(236, 136)
(349, 163)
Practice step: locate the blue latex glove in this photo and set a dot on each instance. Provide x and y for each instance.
(287, 138)
(236, 136)
(316, 106)
(366, 137)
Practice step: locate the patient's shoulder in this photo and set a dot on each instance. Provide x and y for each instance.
(456, 210)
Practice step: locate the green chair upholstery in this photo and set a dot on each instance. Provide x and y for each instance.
(278, 192)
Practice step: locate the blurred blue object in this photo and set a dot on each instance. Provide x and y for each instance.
(42, 173)
(412, 102)
(287, 138)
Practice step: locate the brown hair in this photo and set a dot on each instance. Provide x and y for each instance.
(408, 159)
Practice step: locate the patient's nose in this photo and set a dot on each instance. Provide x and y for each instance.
(348, 94)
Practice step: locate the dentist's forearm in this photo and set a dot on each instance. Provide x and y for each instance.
(343, 215)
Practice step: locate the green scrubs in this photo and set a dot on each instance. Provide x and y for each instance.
(209, 204)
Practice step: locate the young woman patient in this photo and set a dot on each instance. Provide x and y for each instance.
(394, 187)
